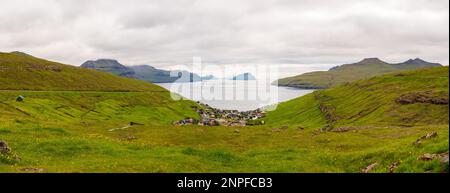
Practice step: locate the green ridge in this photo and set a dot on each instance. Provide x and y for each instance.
(350, 72)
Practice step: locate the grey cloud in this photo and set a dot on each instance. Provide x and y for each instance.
(162, 33)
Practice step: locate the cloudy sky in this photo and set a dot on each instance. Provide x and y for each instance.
(168, 32)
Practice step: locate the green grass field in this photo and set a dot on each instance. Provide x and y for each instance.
(93, 148)
(89, 130)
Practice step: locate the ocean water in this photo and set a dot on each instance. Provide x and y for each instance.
(235, 95)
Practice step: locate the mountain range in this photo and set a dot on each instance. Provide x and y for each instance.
(143, 72)
(366, 68)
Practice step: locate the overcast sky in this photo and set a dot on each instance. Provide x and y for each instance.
(169, 32)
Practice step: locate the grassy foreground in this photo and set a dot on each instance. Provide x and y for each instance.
(51, 148)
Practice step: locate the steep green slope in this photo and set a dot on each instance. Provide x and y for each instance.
(23, 72)
(109, 109)
(61, 94)
(350, 72)
(407, 98)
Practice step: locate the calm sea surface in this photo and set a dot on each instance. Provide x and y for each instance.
(235, 95)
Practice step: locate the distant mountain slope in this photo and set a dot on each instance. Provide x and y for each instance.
(350, 72)
(151, 74)
(154, 75)
(19, 71)
(111, 66)
(406, 98)
(419, 62)
(143, 72)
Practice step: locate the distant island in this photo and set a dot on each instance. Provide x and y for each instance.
(245, 76)
(143, 72)
(366, 68)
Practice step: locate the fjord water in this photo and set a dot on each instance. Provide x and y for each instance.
(235, 95)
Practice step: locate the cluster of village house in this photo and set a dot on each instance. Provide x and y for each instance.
(216, 117)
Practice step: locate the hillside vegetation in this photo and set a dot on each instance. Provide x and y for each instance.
(408, 98)
(375, 122)
(350, 72)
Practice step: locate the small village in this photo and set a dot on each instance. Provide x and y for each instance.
(216, 117)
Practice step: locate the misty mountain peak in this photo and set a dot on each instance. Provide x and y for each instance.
(111, 63)
(421, 62)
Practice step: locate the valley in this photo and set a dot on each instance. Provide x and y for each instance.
(72, 119)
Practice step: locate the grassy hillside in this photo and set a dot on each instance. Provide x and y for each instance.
(350, 72)
(23, 72)
(72, 148)
(378, 101)
(89, 131)
(117, 109)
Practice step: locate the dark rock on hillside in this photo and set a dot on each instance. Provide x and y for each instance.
(443, 157)
(426, 137)
(4, 148)
(370, 168)
(423, 97)
(394, 166)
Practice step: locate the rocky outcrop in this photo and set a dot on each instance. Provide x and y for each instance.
(443, 157)
(394, 166)
(425, 137)
(423, 97)
(370, 168)
(9, 157)
(4, 148)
